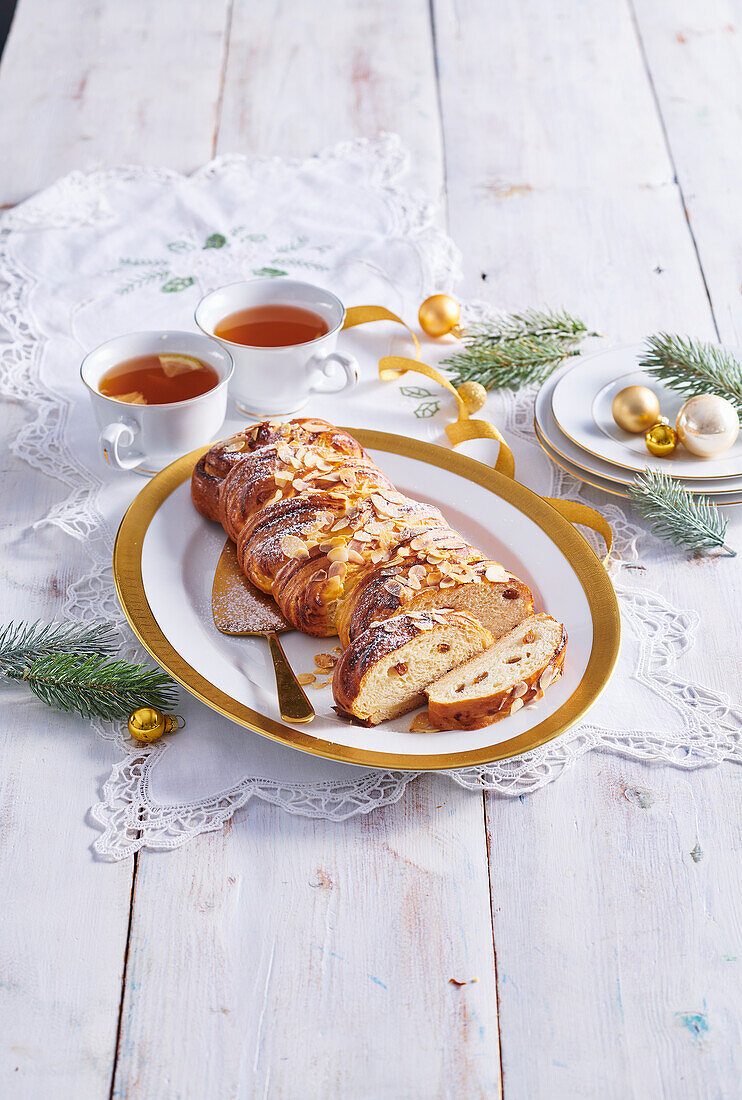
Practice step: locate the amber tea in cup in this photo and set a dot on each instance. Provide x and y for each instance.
(158, 379)
(271, 326)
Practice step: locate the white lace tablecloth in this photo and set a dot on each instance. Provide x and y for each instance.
(108, 252)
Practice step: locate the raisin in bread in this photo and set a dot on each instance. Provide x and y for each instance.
(384, 672)
(514, 671)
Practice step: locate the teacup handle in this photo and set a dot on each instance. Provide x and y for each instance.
(119, 435)
(321, 372)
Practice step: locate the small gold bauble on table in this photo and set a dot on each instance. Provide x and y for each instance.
(439, 315)
(661, 439)
(148, 724)
(707, 425)
(473, 394)
(635, 408)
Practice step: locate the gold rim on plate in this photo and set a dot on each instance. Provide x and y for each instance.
(127, 573)
(614, 461)
(549, 449)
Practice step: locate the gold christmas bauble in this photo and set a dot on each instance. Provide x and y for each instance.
(148, 724)
(707, 425)
(635, 408)
(439, 314)
(473, 394)
(661, 439)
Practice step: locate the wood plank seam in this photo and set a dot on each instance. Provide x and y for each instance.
(488, 846)
(439, 102)
(671, 155)
(223, 75)
(124, 971)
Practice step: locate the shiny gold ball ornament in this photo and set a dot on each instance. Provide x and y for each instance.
(635, 408)
(661, 439)
(439, 315)
(707, 425)
(148, 724)
(473, 394)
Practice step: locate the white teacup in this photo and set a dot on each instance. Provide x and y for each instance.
(275, 381)
(146, 438)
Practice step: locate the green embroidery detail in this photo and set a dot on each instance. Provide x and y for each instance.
(428, 408)
(269, 272)
(414, 391)
(172, 286)
(161, 270)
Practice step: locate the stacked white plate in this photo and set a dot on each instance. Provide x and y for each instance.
(575, 427)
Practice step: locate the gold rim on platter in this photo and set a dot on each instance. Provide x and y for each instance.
(606, 621)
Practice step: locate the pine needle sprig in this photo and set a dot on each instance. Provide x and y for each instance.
(693, 367)
(23, 643)
(675, 514)
(516, 349)
(70, 666)
(97, 687)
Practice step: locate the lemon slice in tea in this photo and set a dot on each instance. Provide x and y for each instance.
(173, 365)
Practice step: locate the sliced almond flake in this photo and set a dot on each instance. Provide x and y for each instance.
(363, 536)
(414, 583)
(337, 569)
(519, 689)
(294, 547)
(278, 495)
(517, 705)
(235, 448)
(495, 573)
(355, 557)
(285, 453)
(546, 677)
(305, 678)
(447, 583)
(338, 553)
(325, 661)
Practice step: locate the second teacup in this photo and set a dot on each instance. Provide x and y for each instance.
(273, 379)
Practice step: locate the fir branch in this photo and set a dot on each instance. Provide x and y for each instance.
(516, 349)
(23, 643)
(97, 687)
(692, 367)
(675, 514)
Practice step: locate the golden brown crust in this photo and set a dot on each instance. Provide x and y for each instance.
(477, 713)
(224, 456)
(402, 584)
(320, 527)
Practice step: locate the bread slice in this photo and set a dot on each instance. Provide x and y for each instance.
(384, 672)
(515, 670)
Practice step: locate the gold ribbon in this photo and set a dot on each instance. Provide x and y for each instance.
(394, 366)
(361, 315)
(463, 428)
(582, 513)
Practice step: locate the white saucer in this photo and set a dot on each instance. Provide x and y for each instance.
(586, 463)
(581, 405)
(613, 487)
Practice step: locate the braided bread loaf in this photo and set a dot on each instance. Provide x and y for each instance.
(320, 527)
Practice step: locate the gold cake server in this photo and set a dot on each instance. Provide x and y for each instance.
(239, 608)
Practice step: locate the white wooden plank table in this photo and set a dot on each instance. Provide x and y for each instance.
(587, 154)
